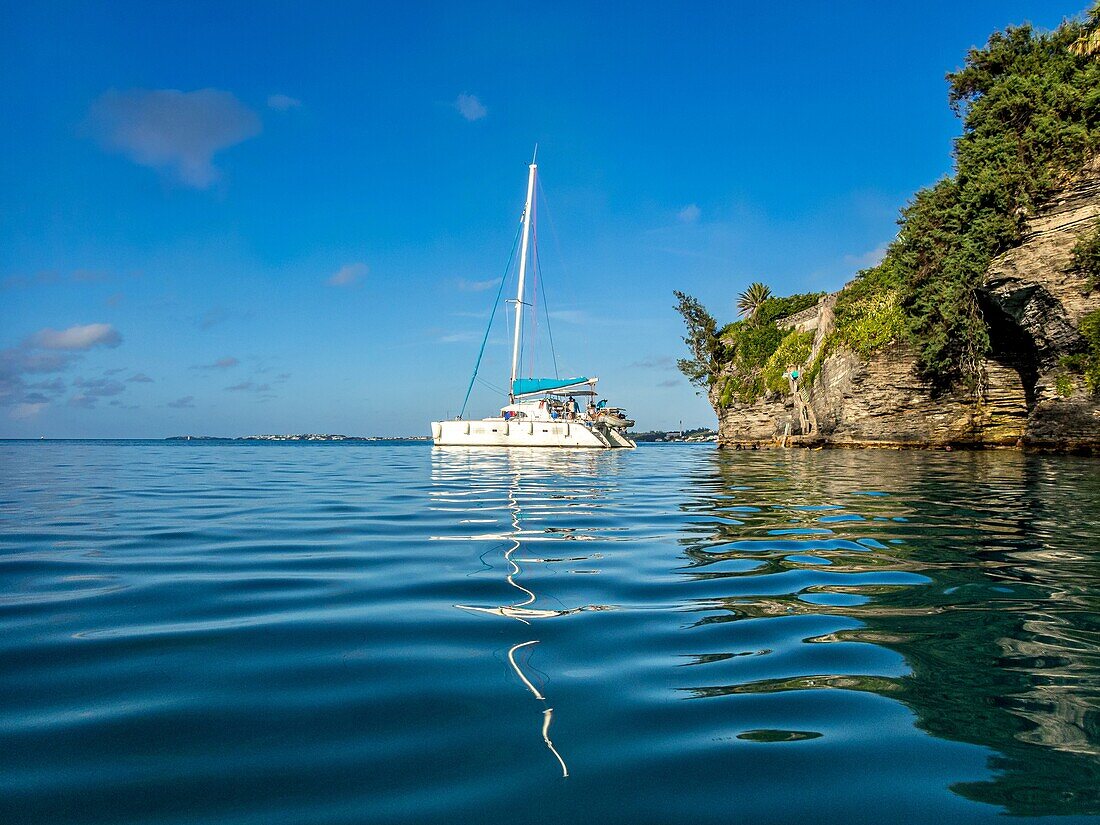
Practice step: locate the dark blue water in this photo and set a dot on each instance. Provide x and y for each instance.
(362, 633)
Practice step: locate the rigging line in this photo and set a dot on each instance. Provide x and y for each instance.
(538, 262)
(491, 386)
(489, 326)
(546, 311)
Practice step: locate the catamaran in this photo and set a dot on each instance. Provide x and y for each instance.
(541, 412)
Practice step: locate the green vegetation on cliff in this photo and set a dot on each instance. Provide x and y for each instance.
(1085, 364)
(1030, 108)
(1030, 103)
(1086, 257)
(758, 350)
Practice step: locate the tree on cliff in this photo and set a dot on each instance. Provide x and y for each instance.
(1030, 108)
(702, 339)
(749, 301)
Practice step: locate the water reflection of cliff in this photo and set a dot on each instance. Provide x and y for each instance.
(525, 505)
(992, 604)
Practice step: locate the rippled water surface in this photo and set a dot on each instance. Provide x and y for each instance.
(353, 634)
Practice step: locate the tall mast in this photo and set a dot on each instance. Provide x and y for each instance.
(522, 273)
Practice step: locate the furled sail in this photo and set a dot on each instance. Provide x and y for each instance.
(531, 386)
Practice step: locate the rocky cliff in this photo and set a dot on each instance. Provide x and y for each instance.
(1033, 303)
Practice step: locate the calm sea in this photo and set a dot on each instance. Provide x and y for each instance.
(357, 633)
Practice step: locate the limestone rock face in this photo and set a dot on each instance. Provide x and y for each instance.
(1033, 304)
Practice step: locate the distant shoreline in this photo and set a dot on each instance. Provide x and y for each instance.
(300, 437)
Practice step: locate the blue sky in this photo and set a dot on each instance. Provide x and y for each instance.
(232, 218)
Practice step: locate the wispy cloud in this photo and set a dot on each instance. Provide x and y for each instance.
(570, 316)
(46, 351)
(54, 386)
(458, 337)
(659, 362)
(79, 337)
(139, 378)
(49, 277)
(211, 318)
(870, 258)
(282, 103)
(249, 386)
(669, 382)
(689, 214)
(177, 133)
(349, 275)
(90, 390)
(90, 276)
(470, 107)
(99, 387)
(24, 411)
(477, 286)
(225, 363)
(83, 401)
(185, 403)
(42, 277)
(22, 360)
(16, 363)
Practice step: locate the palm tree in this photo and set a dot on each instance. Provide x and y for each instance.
(749, 301)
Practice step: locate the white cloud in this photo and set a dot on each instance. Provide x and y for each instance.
(21, 412)
(870, 258)
(89, 276)
(79, 337)
(470, 107)
(282, 103)
(571, 316)
(212, 317)
(54, 386)
(18, 362)
(175, 132)
(224, 363)
(61, 350)
(477, 286)
(99, 386)
(349, 275)
(83, 401)
(21, 359)
(249, 386)
(458, 337)
(689, 214)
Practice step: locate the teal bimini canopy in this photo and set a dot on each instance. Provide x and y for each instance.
(533, 386)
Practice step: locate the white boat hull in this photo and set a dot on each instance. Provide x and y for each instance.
(500, 433)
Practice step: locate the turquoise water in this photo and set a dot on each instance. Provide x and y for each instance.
(384, 633)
